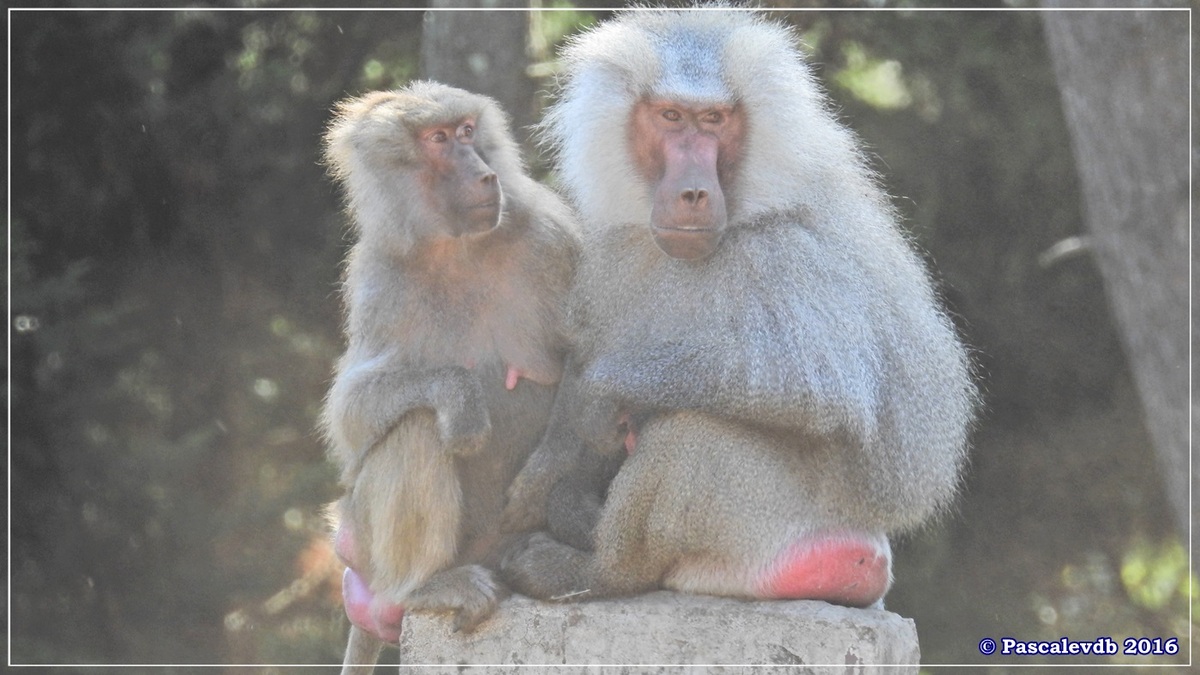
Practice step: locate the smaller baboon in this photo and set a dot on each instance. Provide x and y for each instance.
(749, 325)
(453, 291)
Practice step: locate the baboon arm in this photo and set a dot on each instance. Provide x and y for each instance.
(366, 402)
(776, 384)
(556, 456)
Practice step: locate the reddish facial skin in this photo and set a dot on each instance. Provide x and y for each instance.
(459, 182)
(689, 154)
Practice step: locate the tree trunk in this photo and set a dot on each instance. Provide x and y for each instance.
(481, 51)
(1124, 82)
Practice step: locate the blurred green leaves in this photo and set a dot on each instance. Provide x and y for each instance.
(877, 82)
(1156, 576)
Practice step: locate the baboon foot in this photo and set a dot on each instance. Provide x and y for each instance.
(472, 592)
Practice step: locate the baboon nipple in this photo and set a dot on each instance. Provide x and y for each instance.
(534, 374)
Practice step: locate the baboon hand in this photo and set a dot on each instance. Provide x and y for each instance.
(462, 416)
(526, 507)
(599, 424)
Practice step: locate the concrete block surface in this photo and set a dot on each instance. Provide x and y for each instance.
(647, 633)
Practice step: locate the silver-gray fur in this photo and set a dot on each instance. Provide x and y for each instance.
(801, 379)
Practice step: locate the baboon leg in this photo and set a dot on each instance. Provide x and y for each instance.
(542, 567)
(362, 652)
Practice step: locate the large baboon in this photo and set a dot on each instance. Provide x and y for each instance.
(750, 325)
(454, 291)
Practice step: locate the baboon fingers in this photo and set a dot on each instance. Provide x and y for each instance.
(464, 423)
(522, 516)
(465, 434)
(526, 507)
(468, 617)
(467, 445)
(600, 427)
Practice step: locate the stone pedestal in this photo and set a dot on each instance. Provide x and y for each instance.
(649, 633)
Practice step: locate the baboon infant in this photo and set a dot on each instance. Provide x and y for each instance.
(454, 291)
(748, 323)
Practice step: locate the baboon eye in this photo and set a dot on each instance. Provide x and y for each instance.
(439, 136)
(672, 115)
(466, 131)
(714, 117)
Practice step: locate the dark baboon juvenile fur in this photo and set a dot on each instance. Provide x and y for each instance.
(749, 324)
(454, 290)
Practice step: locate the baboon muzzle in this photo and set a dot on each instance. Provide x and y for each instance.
(688, 217)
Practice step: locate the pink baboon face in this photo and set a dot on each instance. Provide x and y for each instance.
(458, 181)
(688, 154)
